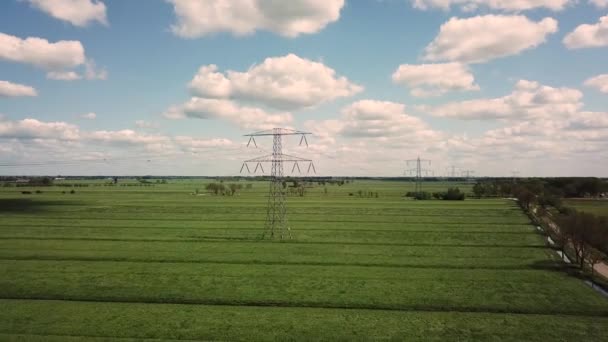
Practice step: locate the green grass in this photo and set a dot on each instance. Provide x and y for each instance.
(160, 263)
(594, 206)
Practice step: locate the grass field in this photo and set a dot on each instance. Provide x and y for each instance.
(161, 263)
(595, 206)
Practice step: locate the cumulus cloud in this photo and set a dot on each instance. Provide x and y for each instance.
(242, 17)
(483, 38)
(244, 117)
(35, 129)
(599, 82)
(588, 36)
(529, 100)
(288, 82)
(56, 58)
(372, 119)
(434, 79)
(63, 75)
(41, 53)
(599, 3)
(89, 116)
(91, 72)
(504, 5)
(380, 119)
(146, 124)
(77, 12)
(9, 89)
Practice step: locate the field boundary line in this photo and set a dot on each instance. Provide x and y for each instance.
(267, 304)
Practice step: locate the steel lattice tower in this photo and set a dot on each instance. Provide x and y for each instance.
(419, 171)
(276, 225)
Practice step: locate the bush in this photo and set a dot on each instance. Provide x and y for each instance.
(72, 191)
(453, 194)
(26, 192)
(38, 191)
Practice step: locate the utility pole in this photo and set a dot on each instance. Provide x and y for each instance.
(418, 170)
(276, 210)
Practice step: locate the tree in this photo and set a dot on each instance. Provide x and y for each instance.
(479, 190)
(233, 188)
(595, 257)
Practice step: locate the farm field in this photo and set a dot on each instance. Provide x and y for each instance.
(161, 262)
(594, 206)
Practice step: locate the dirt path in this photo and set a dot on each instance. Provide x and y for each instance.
(601, 268)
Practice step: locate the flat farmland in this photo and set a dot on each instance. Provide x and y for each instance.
(161, 262)
(597, 207)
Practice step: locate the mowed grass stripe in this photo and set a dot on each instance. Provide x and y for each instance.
(520, 291)
(260, 252)
(302, 236)
(295, 218)
(234, 323)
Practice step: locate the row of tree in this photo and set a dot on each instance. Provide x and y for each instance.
(223, 189)
(452, 194)
(554, 187)
(586, 233)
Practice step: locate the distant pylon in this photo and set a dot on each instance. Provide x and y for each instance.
(468, 173)
(276, 211)
(418, 170)
(515, 174)
(452, 171)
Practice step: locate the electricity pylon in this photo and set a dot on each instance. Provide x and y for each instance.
(276, 211)
(452, 171)
(515, 174)
(468, 174)
(418, 171)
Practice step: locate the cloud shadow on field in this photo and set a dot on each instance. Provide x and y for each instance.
(28, 205)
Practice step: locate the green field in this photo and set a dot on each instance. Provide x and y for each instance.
(594, 206)
(160, 262)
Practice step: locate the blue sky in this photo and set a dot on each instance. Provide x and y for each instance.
(342, 65)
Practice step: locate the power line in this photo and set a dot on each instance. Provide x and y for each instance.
(452, 171)
(276, 211)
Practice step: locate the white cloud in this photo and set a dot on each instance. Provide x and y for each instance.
(89, 116)
(587, 36)
(77, 12)
(242, 17)
(599, 3)
(146, 124)
(483, 38)
(371, 119)
(41, 53)
(127, 137)
(63, 75)
(434, 79)
(504, 5)
(244, 117)
(587, 120)
(92, 72)
(529, 100)
(8, 89)
(56, 58)
(35, 129)
(599, 82)
(287, 82)
(379, 119)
